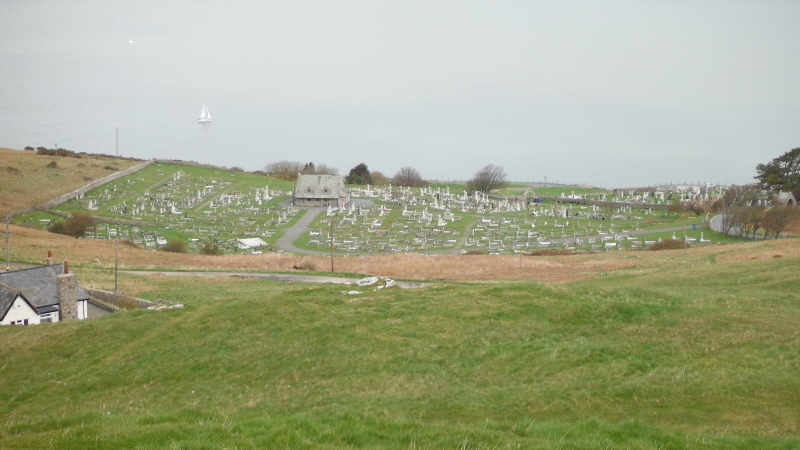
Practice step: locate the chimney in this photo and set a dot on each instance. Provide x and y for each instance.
(67, 291)
(50, 259)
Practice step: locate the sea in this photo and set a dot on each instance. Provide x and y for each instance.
(343, 83)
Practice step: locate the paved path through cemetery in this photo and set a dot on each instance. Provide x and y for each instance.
(287, 277)
(293, 233)
(286, 242)
(716, 224)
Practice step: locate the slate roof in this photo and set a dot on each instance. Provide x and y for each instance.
(37, 285)
(7, 296)
(320, 186)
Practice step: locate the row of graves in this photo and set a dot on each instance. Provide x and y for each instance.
(661, 196)
(208, 209)
(382, 229)
(499, 226)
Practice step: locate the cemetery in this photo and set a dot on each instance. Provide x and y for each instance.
(244, 212)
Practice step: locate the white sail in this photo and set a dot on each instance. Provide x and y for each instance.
(205, 116)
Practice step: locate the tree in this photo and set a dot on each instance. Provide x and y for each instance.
(76, 225)
(487, 179)
(288, 170)
(738, 196)
(29, 148)
(696, 206)
(777, 218)
(359, 175)
(378, 178)
(782, 172)
(409, 177)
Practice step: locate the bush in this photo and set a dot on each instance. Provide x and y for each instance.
(76, 225)
(175, 246)
(52, 165)
(57, 228)
(210, 249)
(669, 244)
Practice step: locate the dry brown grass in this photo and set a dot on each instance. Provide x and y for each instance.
(32, 246)
(25, 181)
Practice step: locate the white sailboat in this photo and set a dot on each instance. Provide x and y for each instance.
(205, 116)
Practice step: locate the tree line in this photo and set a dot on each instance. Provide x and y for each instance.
(486, 179)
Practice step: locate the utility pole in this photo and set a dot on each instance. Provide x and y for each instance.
(117, 142)
(332, 220)
(116, 265)
(8, 235)
(56, 146)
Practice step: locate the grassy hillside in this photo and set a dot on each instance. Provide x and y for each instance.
(26, 180)
(684, 356)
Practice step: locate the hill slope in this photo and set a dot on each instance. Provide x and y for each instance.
(683, 357)
(26, 180)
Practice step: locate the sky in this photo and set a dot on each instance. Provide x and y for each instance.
(614, 93)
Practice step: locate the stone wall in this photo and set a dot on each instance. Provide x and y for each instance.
(132, 223)
(583, 201)
(103, 305)
(99, 182)
(120, 301)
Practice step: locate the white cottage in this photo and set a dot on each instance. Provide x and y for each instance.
(41, 294)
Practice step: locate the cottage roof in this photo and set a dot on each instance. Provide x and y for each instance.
(37, 285)
(319, 186)
(7, 297)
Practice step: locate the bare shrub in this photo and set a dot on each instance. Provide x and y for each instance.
(288, 170)
(210, 249)
(129, 243)
(175, 246)
(777, 218)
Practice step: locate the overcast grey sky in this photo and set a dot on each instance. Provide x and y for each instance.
(614, 93)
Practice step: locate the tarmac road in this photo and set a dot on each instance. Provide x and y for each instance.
(286, 277)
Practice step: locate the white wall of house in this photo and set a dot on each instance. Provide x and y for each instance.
(19, 312)
(83, 309)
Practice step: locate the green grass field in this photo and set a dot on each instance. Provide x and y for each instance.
(701, 356)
